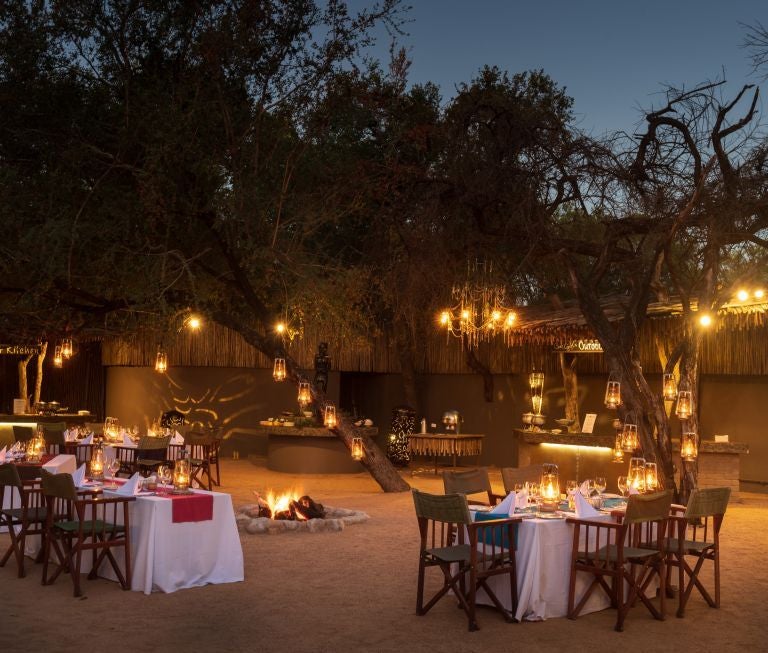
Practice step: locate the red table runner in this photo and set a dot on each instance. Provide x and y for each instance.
(190, 507)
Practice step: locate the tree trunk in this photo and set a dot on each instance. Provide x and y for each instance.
(406, 354)
(571, 388)
(689, 380)
(478, 367)
(23, 382)
(39, 377)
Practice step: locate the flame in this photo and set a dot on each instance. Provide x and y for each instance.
(282, 502)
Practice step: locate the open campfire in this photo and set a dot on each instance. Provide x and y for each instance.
(289, 505)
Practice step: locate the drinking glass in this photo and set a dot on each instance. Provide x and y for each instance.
(113, 466)
(164, 474)
(600, 484)
(623, 485)
(571, 488)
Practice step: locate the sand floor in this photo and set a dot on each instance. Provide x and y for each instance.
(355, 591)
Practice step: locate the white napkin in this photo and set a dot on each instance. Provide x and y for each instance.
(584, 509)
(2, 454)
(78, 477)
(521, 500)
(127, 442)
(131, 486)
(506, 507)
(177, 438)
(88, 439)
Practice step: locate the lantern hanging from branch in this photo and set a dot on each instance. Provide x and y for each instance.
(651, 477)
(669, 387)
(329, 419)
(278, 371)
(684, 404)
(357, 448)
(161, 361)
(629, 438)
(612, 393)
(58, 358)
(618, 453)
(689, 450)
(67, 350)
(636, 474)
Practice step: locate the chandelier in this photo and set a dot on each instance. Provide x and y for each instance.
(479, 312)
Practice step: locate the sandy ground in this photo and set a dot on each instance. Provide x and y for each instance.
(355, 591)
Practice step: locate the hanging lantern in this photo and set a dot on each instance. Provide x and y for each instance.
(278, 371)
(97, 463)
(357, 448)
(669, 387)
(66, 348)
(305, 397)
(684, 409)
(629, 439)
(612, 393)
(651, 477)
(636, 474)
(688, 448)
(58, 358)
(536, 383)
(161, 361)
(329, 419)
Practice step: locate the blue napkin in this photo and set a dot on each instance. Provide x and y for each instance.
(497, 536)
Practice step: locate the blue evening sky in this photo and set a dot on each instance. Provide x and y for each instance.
(612, 57)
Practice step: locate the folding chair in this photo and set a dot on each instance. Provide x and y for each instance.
(150, 453)
(695, 532)
(76, 523)
(511, 476)
(464, 550)
(474, 481)
(22, 511)
(632, 551)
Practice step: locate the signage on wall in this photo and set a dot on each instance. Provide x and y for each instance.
(582, 346)
(18, 350)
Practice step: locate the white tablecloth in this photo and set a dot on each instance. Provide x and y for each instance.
(543, 573)
(169, 557)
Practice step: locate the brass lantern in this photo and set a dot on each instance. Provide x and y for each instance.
(329, 419)
(636, 474)
(618, 451)
(629, 438)
(669, 387)
(612, 393)
(305, 396)
(651, 477)
(58, 358)
(550, 485)
(278, 371)
(181, 474)
(357, 448)
(688, 448)
(66, 348)
(684, 404)
(97, 463)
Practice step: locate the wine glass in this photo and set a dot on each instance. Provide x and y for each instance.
(571, 488)
(113, 466)
(623, 485)
(600, 484)
(164, 474)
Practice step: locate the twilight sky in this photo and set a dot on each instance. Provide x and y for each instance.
(613, 57)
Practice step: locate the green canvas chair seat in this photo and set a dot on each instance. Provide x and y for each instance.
(24, 513)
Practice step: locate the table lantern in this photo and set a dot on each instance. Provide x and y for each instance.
(111, 428)
(550, 486)
(629, 437)
(36, 447)
(304, 395)
(161, 361)
(278, 371)
(669, 387)
(612, 393)
(357, 448)
(97, 463)
(329, 419)
(684, 409)
(651, 477)
(636, 474)
(688, 449)
(181, 474)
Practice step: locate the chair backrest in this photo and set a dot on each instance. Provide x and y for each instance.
(149, 443)
(469, 482)
(707, 502)
(648, 507)
(60, 486)
(447, 508)
(23, 433)
(9, 476)
(512, 475)
(53, 436)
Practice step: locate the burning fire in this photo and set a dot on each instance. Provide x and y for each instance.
(278, 503)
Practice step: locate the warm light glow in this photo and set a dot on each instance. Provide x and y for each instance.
(57, 357)
(278, 371)
(636, 474)
(445, 318)
(629, 438)
(305, 397)
(67, 349)
(194, 322)
(684, 408)
(618, 452)
(705, 320)
(278, 503)
(742, 295)
(357, 448)
(161, 361)
(759, 294)
(496, 316)
(669, 388)
(280, 328)
(688, 448)
(329, 419)
(97, 463)
(511, 317)
(181, 474)
(651, 477)
(465, 315)
(612, 394)
(575, 447)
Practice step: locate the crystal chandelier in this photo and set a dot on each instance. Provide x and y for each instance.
(479, 312)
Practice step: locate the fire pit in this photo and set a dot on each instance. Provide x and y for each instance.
(291, 511)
